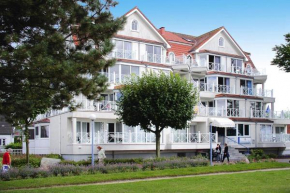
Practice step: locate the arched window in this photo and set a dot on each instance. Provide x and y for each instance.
(134, 25)
(188, 59)
(171, 58)
(221, 42)
(249, 69)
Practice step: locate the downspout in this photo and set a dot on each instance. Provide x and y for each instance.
(256, 132)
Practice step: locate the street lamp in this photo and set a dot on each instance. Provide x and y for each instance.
(210, 143)
(93, 117)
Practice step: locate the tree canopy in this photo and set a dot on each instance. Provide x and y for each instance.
(157, 101)
(51, 51)
(282, 58)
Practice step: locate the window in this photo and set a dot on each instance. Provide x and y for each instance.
(256, 109)
(231, 132)
(171, 58)
(214, 63)
(44, 131)
(236, 65)
(233, 108)
(224, 85)
(83, 132)
(134, 25)
(221, 42)
(123, 49)
(280, 130)
(153, 53)
(36, 131)
(249, 69)
(246, 87)
(31, 134)
(243, 130)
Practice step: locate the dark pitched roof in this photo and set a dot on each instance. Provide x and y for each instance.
(5, 127)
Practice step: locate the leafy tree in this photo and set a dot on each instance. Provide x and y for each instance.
(50, 51)
(156, 102)
(282, 58)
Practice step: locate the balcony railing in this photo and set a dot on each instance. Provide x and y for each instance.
(275, 138)
(116, 137)
(256, 92)
(216, 88)
(123, 54)
(218, 112)
(177, 137)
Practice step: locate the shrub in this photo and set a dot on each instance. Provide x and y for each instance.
(14, 146)
(20, 160)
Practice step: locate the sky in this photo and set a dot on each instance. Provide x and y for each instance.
(256, 25)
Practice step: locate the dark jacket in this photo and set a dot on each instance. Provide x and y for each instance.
(218, 148)
(226, 150)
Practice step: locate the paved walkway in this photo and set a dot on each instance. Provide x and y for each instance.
(283, 160)
(157, 178)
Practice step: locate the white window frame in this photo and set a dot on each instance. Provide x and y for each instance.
(81, 132)
(137, 25)
(40, 132)
(279, 128)
(171, 57)
(244, 129)
(223, 41)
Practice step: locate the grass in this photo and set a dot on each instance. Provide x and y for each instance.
(271, 181)
(83, 179)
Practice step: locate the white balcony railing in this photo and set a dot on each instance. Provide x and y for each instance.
(216, 67)
(218, 112)
(177, 137)
(116, 137)
(256, 92)
(275, 138)
(123, 54)
(216, 88)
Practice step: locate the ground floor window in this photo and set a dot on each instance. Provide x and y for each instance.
(266, 129)
(31, 134)
(231, 132)
(243, 130)
(280, 130)
(44, 131)
(2, 142)
(83, 132)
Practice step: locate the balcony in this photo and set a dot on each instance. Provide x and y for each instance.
(215, 88)
(218, 112)
(123, 54)
(275, 138)
(177, 137)
(256, 92)
(116, 137)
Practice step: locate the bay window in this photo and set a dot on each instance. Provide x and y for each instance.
(123, 49)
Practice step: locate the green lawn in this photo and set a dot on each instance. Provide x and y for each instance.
(273, 181)
(83, 179)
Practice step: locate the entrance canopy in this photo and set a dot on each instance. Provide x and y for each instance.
(221, 122)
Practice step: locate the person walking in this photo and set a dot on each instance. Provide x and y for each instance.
(226, 153)
(218, 151)
(101, 155)
(6, 162)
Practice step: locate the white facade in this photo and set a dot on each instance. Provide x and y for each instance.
(230, 89)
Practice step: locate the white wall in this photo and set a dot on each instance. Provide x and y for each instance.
(144, 30)
(229, 47)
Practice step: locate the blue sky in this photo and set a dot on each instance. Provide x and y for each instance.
(257, 26)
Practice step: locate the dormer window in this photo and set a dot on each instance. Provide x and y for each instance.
(171, 58)
(134, 25)
(221, 42)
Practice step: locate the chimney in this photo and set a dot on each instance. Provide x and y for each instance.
(162, 30)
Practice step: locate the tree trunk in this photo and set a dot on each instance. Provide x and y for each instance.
(27, 143)
(157, 134)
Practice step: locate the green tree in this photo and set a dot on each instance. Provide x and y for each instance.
(156, 102)
(282, 58)
(50, 51)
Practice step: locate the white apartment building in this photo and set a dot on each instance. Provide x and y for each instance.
(233, 99)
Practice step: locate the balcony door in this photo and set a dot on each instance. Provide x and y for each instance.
(233, 108)
(153, 53)
(214, 63)
(224, 85)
